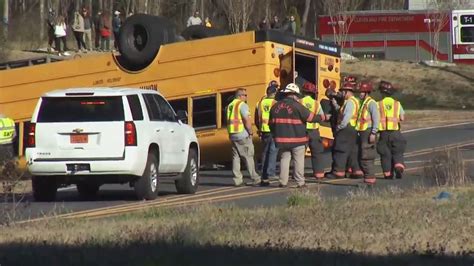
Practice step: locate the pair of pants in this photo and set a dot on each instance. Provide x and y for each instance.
(391, 147)
(243, 149)
(116, 39)
(6, 153)
(316, 147)
(365, 156)
(269, 156)
(88, 38)
(105, 43)
(58, 41)
(345, 141)
(97, 38)
(79, 35)
(297, 154)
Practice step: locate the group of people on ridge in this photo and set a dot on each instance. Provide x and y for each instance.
(288, 121)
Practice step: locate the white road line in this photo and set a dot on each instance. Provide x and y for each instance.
(434, 127)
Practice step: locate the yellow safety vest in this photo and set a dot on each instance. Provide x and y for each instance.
(263, 107)
(234, 118)
(389, 110)
(313, 106)
(7, 130)
(353, 120)
(364, 120)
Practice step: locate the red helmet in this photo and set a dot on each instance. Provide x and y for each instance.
(365, 86)
(350, 79)
(310, 87)
(348, 86)
(386, 87)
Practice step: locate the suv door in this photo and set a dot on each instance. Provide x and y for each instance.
(159, 132)
(178, 131)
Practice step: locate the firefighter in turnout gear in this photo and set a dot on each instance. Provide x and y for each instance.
(391, 145)
(239, 127)
(309, 101)
(288, 119)
(269, 150)
(366, 126)
(346, 135)
(7, 135)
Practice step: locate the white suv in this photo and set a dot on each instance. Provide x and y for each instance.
(91, 137)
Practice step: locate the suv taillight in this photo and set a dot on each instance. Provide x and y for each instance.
(31, 140)
(130, 134)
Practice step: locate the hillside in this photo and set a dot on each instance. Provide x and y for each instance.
(421, 86)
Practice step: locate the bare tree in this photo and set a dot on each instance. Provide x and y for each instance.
(5, 17)
(307, 5)
(341, 14)
(437, 17)
(238, 13)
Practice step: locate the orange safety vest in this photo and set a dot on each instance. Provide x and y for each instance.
(313, 106)
(263, 108)
(389, 110)
(234, 118)
(353, 120)
(364, 121)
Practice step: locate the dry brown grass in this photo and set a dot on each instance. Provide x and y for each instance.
(428, 118)
(447, 168)
(390, 227)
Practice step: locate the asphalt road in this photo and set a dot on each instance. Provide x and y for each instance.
(216, 185)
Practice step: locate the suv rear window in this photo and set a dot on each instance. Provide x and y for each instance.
(81, 109)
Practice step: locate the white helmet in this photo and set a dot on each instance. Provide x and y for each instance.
(292, 88)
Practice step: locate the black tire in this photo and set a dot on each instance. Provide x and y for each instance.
(200, 32)
(145, 187)
(87, 190)
(44, 188)
(189, 181)
(141, 37)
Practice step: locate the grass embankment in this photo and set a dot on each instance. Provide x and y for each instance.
(391, 228)
(429, 118)
(422, 86)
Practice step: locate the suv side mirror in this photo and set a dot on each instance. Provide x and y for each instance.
(182, 115)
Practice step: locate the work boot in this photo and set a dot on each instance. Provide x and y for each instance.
(282, 186)
(319, 176)
(399, 172)
(332, 175)
(300, 186)
(253, 183)
(356, 176)
(264, 183)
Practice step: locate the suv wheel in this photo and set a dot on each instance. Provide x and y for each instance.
(188, 183)
(44, 188)
(146, 187)
(87, 190)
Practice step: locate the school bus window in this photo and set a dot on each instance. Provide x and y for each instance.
(179, 104)
(204, 112)
(226, 99)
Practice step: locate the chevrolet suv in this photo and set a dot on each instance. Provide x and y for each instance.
(91, 137)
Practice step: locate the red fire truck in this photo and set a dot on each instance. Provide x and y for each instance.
(404, 35)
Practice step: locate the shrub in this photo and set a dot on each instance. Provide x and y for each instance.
(447, 168)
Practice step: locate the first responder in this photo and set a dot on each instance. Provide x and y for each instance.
(7, 135)
(239, 127)
(288, 119)
(346, 135)
(269, 150)
(309, 101)
(366, 126)
(391, 145)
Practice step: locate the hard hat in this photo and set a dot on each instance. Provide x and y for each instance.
(365, 86)
(349, 86)
(386, 87)
(350, 79)
(292, 88)
(310, 87)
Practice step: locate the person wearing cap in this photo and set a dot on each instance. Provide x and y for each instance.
(346, 135)
(288, 118)
(194, 19)
(309, 101)
(269, 150)
(392, 144)
(239, 127)
(116, 24)
(366, 126)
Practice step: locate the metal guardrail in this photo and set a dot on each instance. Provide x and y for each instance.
(29, 62)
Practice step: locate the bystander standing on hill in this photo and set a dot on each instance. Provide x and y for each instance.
(60, 35)
(97, 26)
(78, 30)
(194, 19)
(275, 24)
(116, 24)
(87, 28)
(105, 31)
(51, 21)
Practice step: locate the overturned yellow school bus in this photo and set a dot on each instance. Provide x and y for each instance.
(199, 76)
